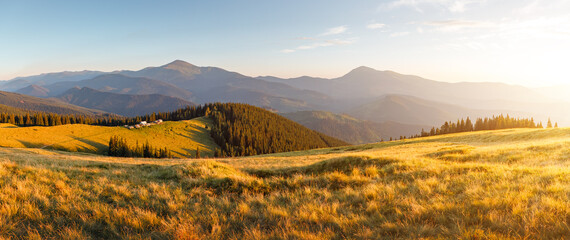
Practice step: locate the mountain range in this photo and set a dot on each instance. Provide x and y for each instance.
(365, 94)
(122, 104)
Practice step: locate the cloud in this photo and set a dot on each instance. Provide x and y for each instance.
(399, 34)
(326, 43)
(375, 25)
(456, 25)
(456, 6)
(335, 31)
(318, 43)
(321, 43)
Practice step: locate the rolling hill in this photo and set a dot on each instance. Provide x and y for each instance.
(350, 129)
(34, 104)
(180, 137)
(507, 184)
(122, 104)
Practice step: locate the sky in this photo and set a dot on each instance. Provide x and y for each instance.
(524, 42)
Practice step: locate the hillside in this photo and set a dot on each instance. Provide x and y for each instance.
(507, 184)
(122, 104)
(30, 103)
(244, 130)
(12, 110)
(117, 83)
(181, 137)
(350, 129)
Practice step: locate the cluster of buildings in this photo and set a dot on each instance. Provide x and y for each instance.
(144, 124)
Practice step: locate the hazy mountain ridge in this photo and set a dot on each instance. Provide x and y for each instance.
(34, 104)
(355, 92)
(123, 104)
(48, 78)
(350, 129)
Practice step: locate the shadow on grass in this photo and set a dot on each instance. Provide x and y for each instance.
(30, 144)
(101, 148)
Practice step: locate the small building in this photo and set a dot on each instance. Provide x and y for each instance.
(143, 123)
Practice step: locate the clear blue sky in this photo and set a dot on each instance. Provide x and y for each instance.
(515, 41)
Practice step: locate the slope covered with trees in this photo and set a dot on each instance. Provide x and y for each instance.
(244, 130)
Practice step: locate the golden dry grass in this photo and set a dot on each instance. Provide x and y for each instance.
(509, 184)
(181, 138)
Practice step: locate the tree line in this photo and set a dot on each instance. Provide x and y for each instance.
(118, 147)
(53, 119)
(481, 124)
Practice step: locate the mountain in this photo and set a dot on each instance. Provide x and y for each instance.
(365, 82)
(48, 78)
(34, 90)
(117, 83)
(34, 104)
(413, 110)
(344, 94)
(350, 129)
(123, 104)
(210, 83)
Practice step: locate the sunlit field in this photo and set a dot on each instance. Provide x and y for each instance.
(498, 184)
(181, 138)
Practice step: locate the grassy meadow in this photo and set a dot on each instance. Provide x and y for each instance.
(181, 137)
(507, 184)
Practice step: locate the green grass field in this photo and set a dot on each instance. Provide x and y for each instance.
(181, 138)
(507, 184)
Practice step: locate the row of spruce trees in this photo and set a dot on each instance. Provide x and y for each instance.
(482, 124)
(118, 147)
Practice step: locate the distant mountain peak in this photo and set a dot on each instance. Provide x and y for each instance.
(34, 90)
(183, 67)
(362, 71)
(363, 68)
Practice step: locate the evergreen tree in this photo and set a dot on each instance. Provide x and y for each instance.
(549, 124)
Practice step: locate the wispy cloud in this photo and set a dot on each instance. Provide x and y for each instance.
(318, 43)
(456, 6)
(335, 30)
(456, 25)
(399, 34)
(375, 25)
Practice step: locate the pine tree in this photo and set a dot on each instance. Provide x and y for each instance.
(197, 152)
(549, 124)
